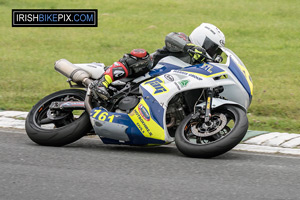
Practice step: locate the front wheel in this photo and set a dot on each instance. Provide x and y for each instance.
(227, 127)
(67, 126)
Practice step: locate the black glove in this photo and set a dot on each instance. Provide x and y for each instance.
(196, 52)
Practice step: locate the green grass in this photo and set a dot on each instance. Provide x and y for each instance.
(265, 34)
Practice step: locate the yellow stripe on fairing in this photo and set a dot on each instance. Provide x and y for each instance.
(205, 76)
(150, 129)
(247, 76)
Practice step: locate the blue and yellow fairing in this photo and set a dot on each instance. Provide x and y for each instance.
(144, 124)
(242, 74)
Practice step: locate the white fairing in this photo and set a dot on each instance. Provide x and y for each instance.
(94, 69)
(173, 86)
(172, 81)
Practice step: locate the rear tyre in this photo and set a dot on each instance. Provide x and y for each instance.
(71, 126)
(227, 127)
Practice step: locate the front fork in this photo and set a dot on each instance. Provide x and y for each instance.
(205, 112)
(209, 94)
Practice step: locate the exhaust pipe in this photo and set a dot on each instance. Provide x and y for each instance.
(73, 72)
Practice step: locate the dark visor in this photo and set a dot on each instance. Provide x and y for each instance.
(211, 48)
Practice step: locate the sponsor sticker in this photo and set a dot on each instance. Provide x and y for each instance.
(144, 113)
(158, 85)
(183, 83)
(169, 77)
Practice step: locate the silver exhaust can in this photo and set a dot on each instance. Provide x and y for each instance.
(71, 71)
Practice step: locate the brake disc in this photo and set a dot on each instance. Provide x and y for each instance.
(216, 124)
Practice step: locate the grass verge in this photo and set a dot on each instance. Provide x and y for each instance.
(263, 33)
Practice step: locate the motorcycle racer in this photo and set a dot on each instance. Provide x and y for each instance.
(202, 107)
(203, 42)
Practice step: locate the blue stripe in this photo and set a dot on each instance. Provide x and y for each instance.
(167, 67)
(240, 76)
(134, 134)
(207, 71)
(156, 110)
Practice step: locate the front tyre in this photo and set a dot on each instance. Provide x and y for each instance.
(69, 125)
(227, 127)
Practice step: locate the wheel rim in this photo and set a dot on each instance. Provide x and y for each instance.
(221, 124)
(40, 117)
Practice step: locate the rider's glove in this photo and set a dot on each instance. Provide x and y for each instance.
(99, 89)
(196, 52)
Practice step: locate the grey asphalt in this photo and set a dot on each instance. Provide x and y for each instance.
(89, 169)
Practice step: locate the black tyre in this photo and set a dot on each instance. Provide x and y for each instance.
(73, 124)
(227, 127)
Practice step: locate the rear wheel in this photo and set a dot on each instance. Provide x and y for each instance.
(226, 128)
(59, 127)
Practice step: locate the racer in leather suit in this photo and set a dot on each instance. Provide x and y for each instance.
(204, 41)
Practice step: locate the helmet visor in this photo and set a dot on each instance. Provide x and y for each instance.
(211, 48)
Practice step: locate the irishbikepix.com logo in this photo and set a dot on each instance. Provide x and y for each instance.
(54, 18)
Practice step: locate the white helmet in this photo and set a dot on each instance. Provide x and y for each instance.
(209, 37)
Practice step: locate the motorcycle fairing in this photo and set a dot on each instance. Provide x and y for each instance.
(142, 117)
(166, 67)
(242, 75)
(158, 86)
(155, 109)
(94, 69)
(205, 70)
(121, 128)
(145, 124)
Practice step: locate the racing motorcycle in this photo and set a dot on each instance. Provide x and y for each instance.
(201, 107)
